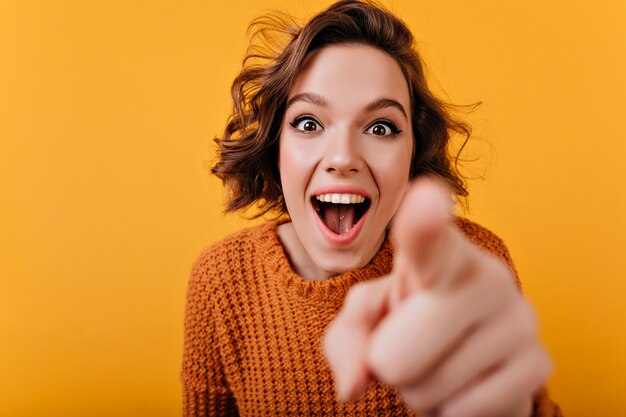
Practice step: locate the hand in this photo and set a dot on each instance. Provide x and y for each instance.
(447, 328)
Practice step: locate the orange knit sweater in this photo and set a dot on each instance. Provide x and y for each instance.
(253, 331)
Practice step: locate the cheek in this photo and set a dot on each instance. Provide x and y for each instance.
(394, 161)
(294, 168)
(392, 171)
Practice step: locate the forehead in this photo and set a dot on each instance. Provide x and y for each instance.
(349, 75)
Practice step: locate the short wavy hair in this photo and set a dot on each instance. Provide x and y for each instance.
(247, 158)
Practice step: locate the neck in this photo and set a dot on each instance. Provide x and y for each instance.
(298, 257)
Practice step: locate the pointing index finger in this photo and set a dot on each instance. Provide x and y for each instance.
(426, 241)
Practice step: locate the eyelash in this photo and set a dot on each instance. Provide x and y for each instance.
(298, 119)
(392, 126)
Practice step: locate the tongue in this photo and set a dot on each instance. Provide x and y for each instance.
(339, 217)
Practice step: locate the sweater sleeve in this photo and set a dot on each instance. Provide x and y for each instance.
(543, 406)
(205, 389)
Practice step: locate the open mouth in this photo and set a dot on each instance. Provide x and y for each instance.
(340, 212)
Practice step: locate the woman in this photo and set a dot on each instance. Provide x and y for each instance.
(321, 312)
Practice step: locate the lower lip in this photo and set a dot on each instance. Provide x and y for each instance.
(343, 238)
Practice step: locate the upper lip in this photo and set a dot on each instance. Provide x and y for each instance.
(341, 189)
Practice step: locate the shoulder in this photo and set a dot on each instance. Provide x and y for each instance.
(227, 246)
(480, 236)
(227, 255)
(487, 241)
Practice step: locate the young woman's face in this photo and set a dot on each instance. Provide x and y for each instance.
(344, 156)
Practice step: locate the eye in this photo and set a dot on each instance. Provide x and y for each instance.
(383, 128)
(306, 124)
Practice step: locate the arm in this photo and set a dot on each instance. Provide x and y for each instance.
(205, 389)
(542, 405)
(447, 327)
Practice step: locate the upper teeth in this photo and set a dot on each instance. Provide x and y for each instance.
(340, 198)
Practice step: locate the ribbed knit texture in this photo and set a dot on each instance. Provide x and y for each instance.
(253, 331)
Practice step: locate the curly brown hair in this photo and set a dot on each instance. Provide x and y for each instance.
(247, 160)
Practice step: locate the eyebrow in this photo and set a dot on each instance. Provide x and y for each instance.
(308, 98)
(320, 101)
(386, 102)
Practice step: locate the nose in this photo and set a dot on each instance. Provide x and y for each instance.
(342, 155)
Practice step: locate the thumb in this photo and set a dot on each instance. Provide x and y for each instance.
(347, 337)
(420, 231)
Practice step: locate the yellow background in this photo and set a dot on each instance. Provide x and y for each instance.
(107, 110)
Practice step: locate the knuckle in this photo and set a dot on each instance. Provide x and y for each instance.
(378, 361)
(500, 274)
(491, 408)
(495, 285)
(419, 399)
(538, 368)
(527, 321)
(384, 365)
(519, 326)
(544, 364)
(469, 409)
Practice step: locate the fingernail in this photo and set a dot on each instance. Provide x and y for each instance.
(344, 389)
(350, 389)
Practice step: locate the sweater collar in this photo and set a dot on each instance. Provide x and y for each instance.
(330, 291)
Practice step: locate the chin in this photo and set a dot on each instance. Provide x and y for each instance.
(336, 263)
